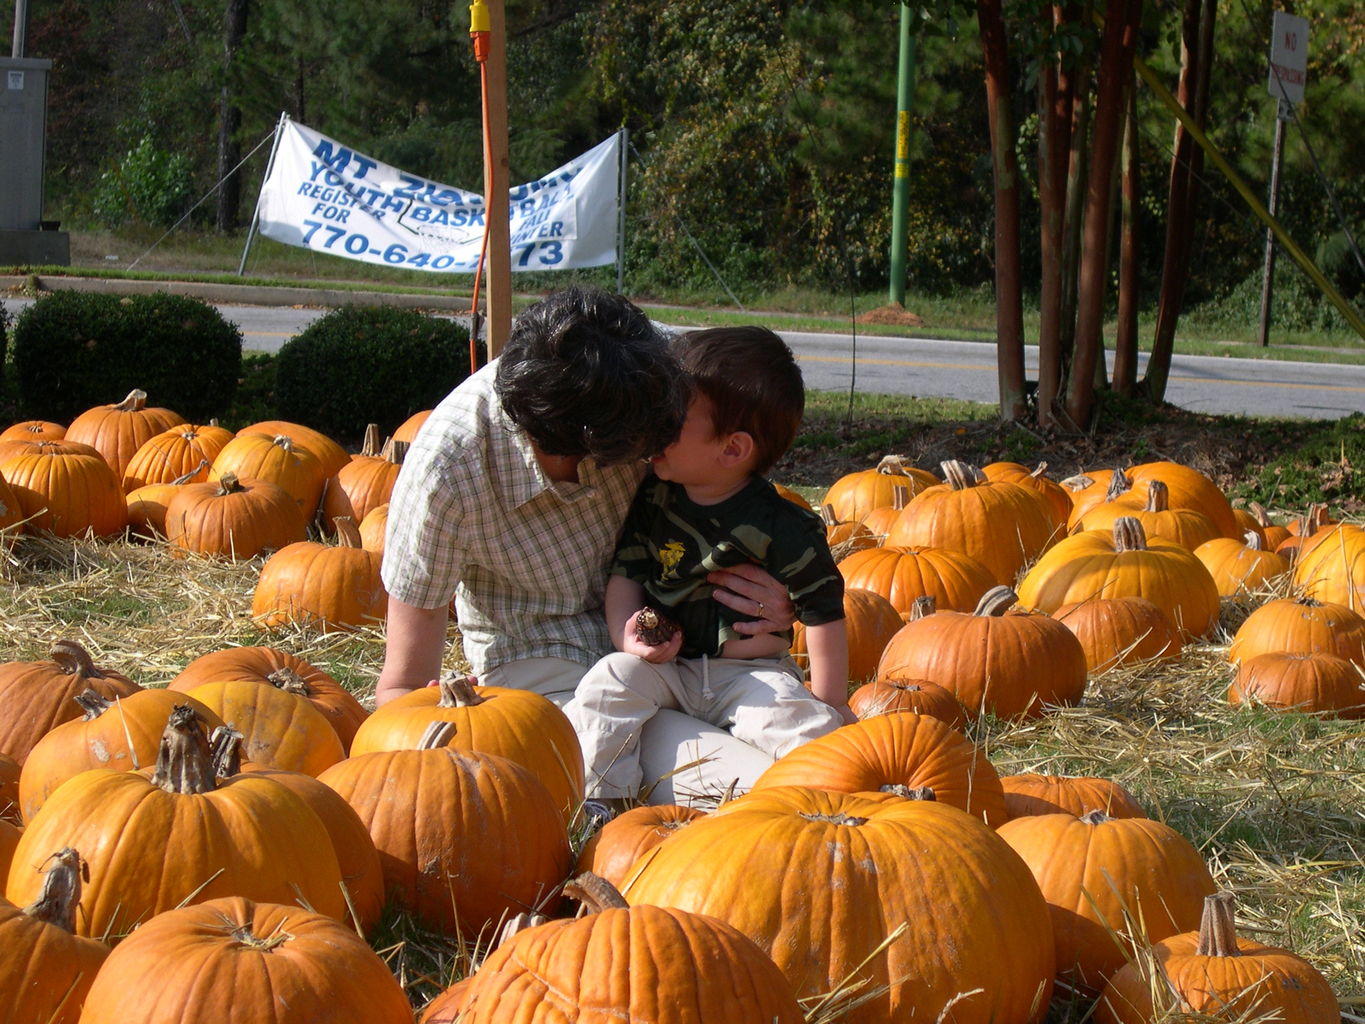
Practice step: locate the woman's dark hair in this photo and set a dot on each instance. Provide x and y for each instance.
(753, 383)
(585, 372)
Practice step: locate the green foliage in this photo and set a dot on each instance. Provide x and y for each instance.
(369, 364)
(75, 350)
(149, 184)
(1317, 462)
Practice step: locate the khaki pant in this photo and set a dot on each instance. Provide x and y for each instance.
(736, 717)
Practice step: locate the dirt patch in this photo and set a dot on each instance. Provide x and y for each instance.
(894, 314)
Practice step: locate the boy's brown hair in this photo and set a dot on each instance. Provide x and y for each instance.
(753, 383)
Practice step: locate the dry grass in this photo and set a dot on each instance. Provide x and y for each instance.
(1275, 801)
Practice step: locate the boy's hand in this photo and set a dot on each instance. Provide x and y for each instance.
(653, 637)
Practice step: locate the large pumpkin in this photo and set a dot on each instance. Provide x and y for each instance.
(1301, 625)
(1241, 568)
(1030, 793)
(1100, 564)
(333, 587)
(1212, 974)
(45, 968)
(365, 482)
(888, 695)
(901, 751)
(280, 729)
(1057, 497)
(183, 453)
(856, 494)
(902, 575)
(1188, 527)
(994, 660)
(613, 849)
(38, 696)
(232, 518)
(1104, 877)
(268, 963)
(1314, 682)
(1117, 631)
(519, 725)
(117, 431)
(277, 459)
(623, 963)
(328, 452)
(1331, 566)
(66, 488)
(1189, 488)
(922, 902)
(154, 842)
(1002, 525)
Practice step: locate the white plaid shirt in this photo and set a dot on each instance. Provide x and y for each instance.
(473, 514)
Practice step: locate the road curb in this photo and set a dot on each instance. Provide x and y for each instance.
(232, 294)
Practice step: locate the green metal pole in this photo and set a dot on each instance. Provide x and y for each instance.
(905, 86)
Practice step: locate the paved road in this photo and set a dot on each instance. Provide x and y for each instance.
(967, 370)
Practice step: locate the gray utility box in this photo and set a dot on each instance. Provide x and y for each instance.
(23, 145)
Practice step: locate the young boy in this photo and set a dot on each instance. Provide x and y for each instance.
(706, 506)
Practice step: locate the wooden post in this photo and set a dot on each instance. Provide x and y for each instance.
(1283, 112)
(498, 264)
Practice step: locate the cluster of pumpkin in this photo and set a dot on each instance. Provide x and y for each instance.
(1110, 568)
(142, 469)
(886, 868)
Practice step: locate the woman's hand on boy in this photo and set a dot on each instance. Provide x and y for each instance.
(752, 591)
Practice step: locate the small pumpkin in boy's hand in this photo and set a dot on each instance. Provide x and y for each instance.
(653, 628)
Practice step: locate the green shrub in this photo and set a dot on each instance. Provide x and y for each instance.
(75, 350)
(369, 364)
(149, 184)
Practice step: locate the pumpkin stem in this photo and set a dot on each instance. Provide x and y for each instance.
(183, 764)
(909, 792)
(1119, 485)
(283, 441)
(1218, 926)
(458, 692)
(1095, 817)
(135, 402)
(228, 483)
(93, 704)
(1259, 513)
(370, 446)
(396, 451)
(827, 516)
(56, 904)
(959, 475)
(891, 465)
(74, 660)
(922, 607)
(900, 496)
(996, 601)
(244, 938)
(1079, 482)
(1039, 471)
(1253, 540)
(1129, 534)
(203, 465)
(1158, 496)
(435, 735)
(348, 534)
(225, 747)
(518, 923)
(289, 681)
(595, 893)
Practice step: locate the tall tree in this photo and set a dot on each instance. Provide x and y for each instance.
(230, 119)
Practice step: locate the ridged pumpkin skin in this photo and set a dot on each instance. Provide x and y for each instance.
(613, 849)
(1094, 869)
(1100, 563)
(1213, 974)
(912, 751)
(1313, 682)
(149, 849)
(630, 964)
(233, 518)
(66, 489)
(373, 528)
(1002, 525)
(820, 880)
(519, 725)
(1188, 488)
(856, 494)
(279, 460)
(184, 450)
(902, 575)
(45, 969)
(38, 696)
(1302, 625)
(279, 729)
(1331, 566)
(1188, 527)
(463, 837)
(117, 431)
(33, 430)
(1120, 631)
(332, 587)
(1056, 496)
(888, 695)
(123, 735)
(266, 963)
(994, 660)
(289, 672)
(1241, 568)
(1030, 794)
(365, 482)
(328, 452)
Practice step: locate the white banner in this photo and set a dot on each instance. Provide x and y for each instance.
(323, 196)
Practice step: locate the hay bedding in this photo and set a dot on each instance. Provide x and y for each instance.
(1275, 802)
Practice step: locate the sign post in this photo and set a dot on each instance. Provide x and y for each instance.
(1287, 75)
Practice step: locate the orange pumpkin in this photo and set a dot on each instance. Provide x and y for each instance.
(184, 453)
(332, 456)
(46, 970)
(33, 430)
(870, 620)
(273, 963)
(856, 494)
(281, 729)
(914, 752)
(1120, 631)
(1303, 625)
(1314, 682)
(232, 518)
(901, 575)
(64, 487)
(1030, 793)
(1058, 497)
(333, 587)
(366, 481)
(1257, 518)
(613, 849)
(993, 660)
(1212, 974)
(1098, 874)
(845, 537)
(278, 460)
(407, 430)
(1186, 526)
(1241, 568)
(892, 694)
(1331, 566)
(1189, 488)
(117, 431)
(11, 515)
(373, 528)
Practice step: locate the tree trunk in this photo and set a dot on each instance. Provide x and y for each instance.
(1112, 77)
(1187, 162)
(1126, 340)
(1009, 316)
(1078, 172)
(230, 120)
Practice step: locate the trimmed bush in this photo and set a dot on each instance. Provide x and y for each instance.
(369, 364)
(75, 350)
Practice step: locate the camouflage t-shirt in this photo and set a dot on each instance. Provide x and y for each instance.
(669, 543)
